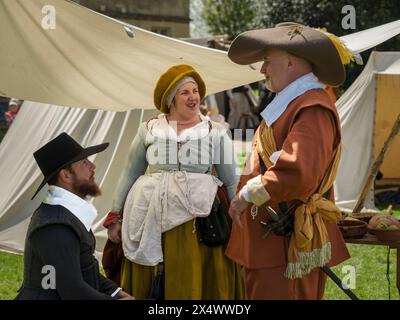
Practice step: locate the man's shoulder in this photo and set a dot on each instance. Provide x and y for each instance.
(46, 215)
(313, 105)
(314, 97)
(46, 211)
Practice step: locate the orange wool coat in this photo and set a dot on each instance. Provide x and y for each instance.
(308, 133)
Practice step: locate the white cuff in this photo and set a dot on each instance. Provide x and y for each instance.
(256, 191)
(245, 193)
(115, 292)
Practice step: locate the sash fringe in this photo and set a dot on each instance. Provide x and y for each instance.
(308, 261)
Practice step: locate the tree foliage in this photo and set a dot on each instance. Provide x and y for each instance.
(328, 14)
(316, 13)
(233, 17)
(229, 17)
(198, 27)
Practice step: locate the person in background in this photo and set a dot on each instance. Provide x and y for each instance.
(264, 99)
(210, 109)
(242, 105)
(13, 108)
(3, 109)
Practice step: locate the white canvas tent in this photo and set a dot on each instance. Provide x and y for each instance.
(61, 53)
(367, 111)
(20, 176)
(90, 61)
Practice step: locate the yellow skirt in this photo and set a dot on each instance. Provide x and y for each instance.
(192, 271)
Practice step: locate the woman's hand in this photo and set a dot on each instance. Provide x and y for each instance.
(114, 232)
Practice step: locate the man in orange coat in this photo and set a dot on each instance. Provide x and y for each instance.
(294, 159)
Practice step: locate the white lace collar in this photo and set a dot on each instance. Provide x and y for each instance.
(278, 106)
(80, 208)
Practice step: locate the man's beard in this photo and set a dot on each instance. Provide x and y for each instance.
(86, 188)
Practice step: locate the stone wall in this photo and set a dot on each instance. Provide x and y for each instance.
(168, 17)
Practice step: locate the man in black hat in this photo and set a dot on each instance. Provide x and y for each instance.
(59, 246)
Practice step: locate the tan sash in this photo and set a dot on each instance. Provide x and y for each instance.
(309, 245)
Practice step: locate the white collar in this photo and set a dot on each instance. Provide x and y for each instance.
(279, 104)
(80, 208)
(162, 129)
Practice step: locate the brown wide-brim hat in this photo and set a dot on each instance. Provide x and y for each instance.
(169, 79)
(59, 153)
(319, 48)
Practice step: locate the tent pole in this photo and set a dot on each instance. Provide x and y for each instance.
(377, 164)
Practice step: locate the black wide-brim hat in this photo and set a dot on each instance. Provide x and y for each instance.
(59, 153)
(325, 52)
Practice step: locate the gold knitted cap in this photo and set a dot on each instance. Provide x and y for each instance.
(168, 80)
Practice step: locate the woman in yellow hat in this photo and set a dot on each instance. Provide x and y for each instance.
(180, 150)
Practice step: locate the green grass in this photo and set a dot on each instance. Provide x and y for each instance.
(11, 265)
(369, 263)
(11, 275)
